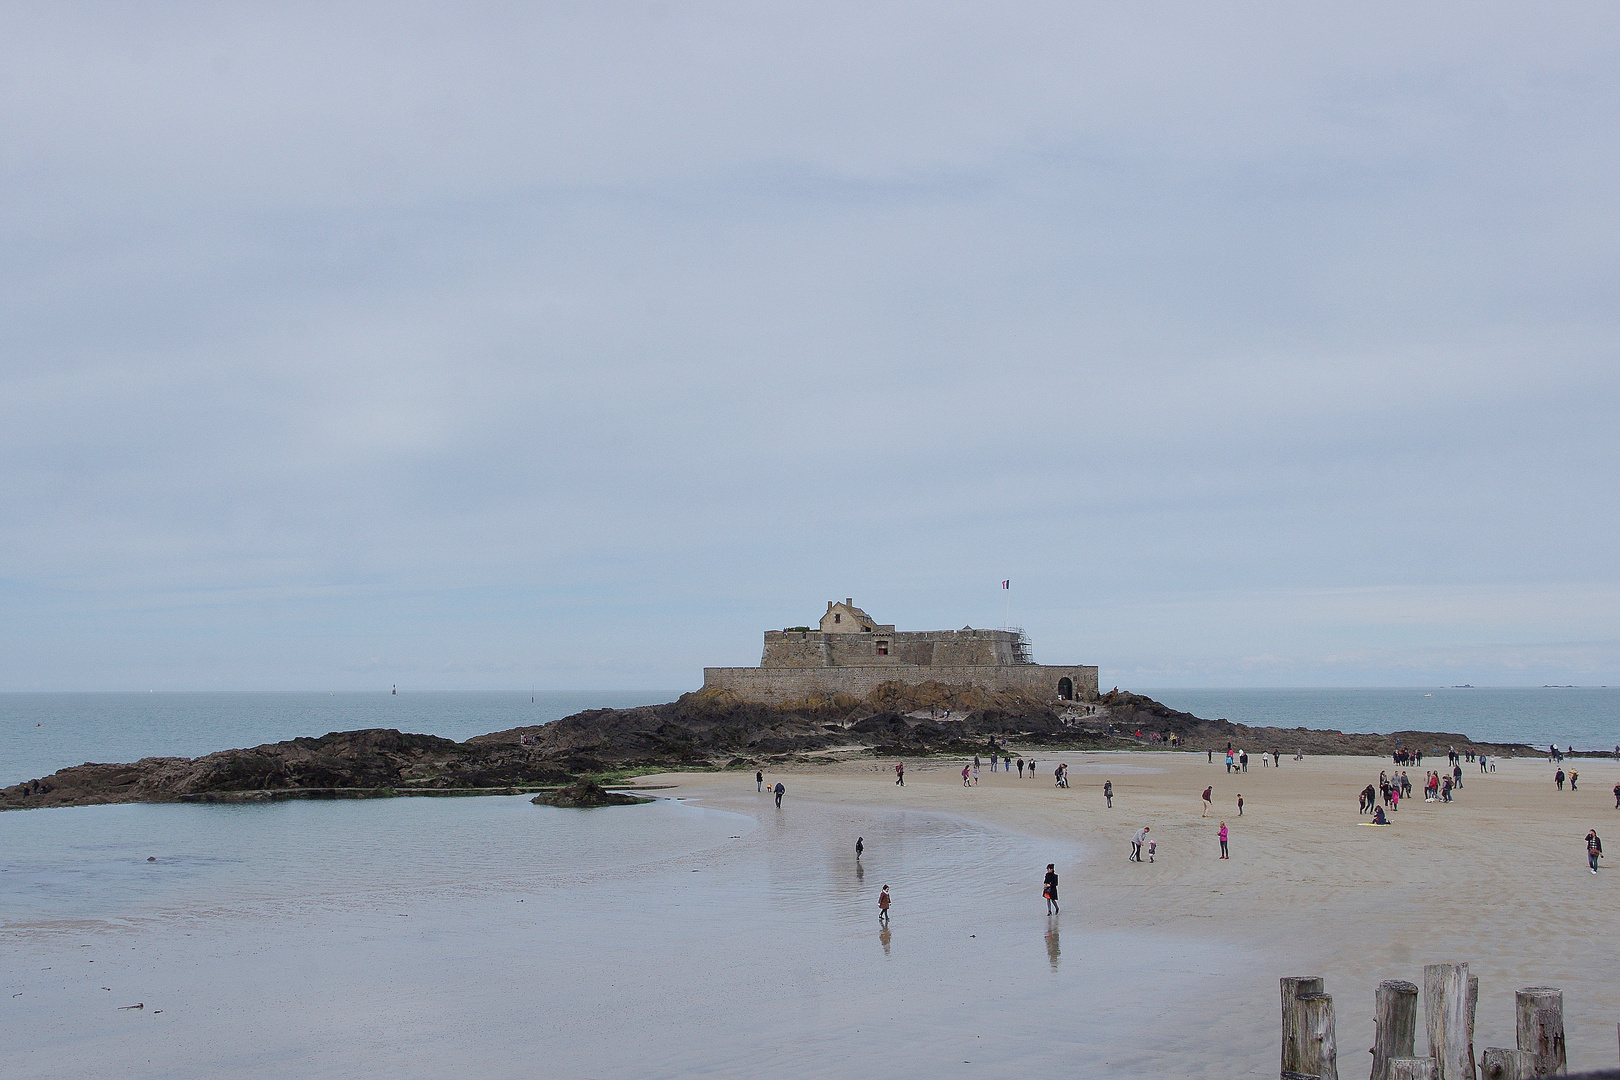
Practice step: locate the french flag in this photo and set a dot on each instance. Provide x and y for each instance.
(1007, 584)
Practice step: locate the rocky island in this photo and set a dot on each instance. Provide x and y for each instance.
(706, 729)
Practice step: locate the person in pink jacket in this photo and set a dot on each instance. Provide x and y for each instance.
(1224, 855)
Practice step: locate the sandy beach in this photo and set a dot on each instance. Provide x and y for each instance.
(1497, 878)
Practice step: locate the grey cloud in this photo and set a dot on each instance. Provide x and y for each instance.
(499, 344)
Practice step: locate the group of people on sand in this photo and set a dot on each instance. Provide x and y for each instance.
(970, 770)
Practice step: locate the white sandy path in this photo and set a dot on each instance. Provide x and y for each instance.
(1497, 878)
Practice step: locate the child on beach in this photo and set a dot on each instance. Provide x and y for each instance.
(1049, 891)
(1153, 845)
(1108, 793)
(1224, 853)
(883, 905)
(967, 771)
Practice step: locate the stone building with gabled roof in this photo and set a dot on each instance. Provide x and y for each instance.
(846, 618)
(853, 654)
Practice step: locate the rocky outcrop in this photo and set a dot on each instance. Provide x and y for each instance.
(583, 795)
(700, 730)
(339, 765)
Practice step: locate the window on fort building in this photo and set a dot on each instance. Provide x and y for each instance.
(838, 618)
(883, 648)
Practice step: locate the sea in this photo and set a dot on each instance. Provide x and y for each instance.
(488, 936)
(1586, 717)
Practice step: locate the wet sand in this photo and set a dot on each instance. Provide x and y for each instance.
(1497, 878)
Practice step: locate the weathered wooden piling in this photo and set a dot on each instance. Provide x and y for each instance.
(1319, 1048)
(1540, 1011)
(1413, 1068)
(1394, 1024)
(1500, 1064)
(1473, 1002)
(1445, 1011)
(1292, 1027)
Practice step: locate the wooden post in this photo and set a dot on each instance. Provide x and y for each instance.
(1319, 1047)
(1394, 1024)
(1292, 988)
(1412, 1069)
(1473, 1001)
(1500, 1064)
(1540, 1012)
(1445, 1011)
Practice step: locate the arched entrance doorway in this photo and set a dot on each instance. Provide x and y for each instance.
(1065, 689)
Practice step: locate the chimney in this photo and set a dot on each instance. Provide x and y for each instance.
(849, 601)
(829, 605)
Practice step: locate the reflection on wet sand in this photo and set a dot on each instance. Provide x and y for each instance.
(1052, 950)
(883, 937)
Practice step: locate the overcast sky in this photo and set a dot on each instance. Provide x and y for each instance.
(573, 345)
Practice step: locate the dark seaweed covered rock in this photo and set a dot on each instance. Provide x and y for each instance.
(583, 794)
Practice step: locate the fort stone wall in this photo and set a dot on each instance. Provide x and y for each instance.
(1041, 682)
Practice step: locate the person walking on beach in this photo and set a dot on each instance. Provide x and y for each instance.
(780, 790)
(883, 905)
(1594, 849)
(1050, 889)
(967, 771)
(1224, 854)
(1617, 796)
(1209, 794)
(975, 772)
(1243, 760)
(1136, 843)
(1240, 804)
(759, 780)
(1211, 753)
(1020, 768)
(1558, 778)
(1573, 776)
(1030, 765)
(860, 845)
(1108, 793)
(900, 774)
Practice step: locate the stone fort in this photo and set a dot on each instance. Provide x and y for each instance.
(850, 654)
